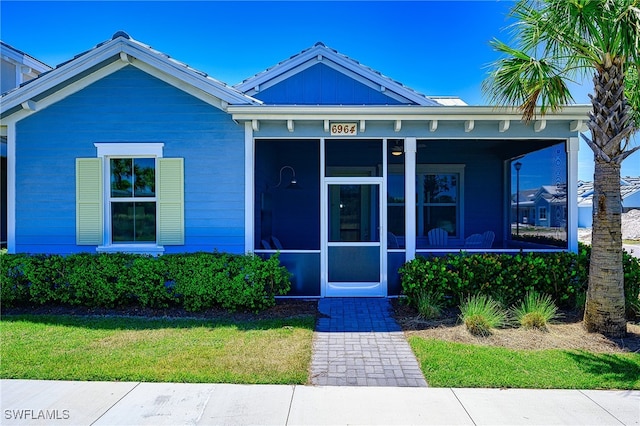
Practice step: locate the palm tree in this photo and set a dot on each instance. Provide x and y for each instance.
(559, 41)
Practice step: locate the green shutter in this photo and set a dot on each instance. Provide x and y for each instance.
(89, 201)
(170, 201)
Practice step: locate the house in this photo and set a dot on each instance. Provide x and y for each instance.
(16, 68)
(544, 207)
(340, 168)
(629, 192)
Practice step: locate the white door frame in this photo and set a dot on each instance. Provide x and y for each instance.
(378, 289)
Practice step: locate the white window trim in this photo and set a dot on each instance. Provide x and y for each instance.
(106, 151)
(542, 210)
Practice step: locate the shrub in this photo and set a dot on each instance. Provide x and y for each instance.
(631, 271)
(196, 280)
(14, 285)
(507, 278)
(481, 313)
(429, 304)
(535, 311)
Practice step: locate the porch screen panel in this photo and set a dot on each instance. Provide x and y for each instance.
(437, 203)
(353, 158)
(395, 196)
(287, 215)
(354, 264)
(539, 198)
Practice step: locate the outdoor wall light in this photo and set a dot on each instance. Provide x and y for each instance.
(294, 183)
(397, 150)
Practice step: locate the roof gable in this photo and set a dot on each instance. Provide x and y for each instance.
(323, 85)
(629, 186)
(291, 71)
(109, 57)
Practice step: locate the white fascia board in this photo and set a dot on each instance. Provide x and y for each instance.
(331, 64)
(109, 50)
(180, 84)
(278, 69)
(72, 88)
(344, 63)
(382, 81)
(18, 57)
(187, 75)
(60, 74)
(35, 64)
(409, 113)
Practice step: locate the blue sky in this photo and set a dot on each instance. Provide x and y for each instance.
(435, 47)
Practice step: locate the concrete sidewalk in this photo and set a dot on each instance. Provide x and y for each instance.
(34, 402)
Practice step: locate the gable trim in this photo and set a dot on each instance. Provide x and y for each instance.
(69, 90)
(337, 67)
(123, 51)
(329, 55)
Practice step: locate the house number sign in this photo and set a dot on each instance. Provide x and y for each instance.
(344, 129)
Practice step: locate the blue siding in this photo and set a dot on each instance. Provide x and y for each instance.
(322, 85)
(129, 106)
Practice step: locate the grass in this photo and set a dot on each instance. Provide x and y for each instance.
(153, 350)
(429, 304)
(535, 311)
(480, 314)
(447, 364)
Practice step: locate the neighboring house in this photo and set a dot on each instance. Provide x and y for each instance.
(16, 68)
(341, 169)
(545, 206)
(629, 191)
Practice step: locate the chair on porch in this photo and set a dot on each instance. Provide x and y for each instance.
(392, 241)
(474, 241)
(276, 242)
(488, 237)
(438, 237)
(484, 240)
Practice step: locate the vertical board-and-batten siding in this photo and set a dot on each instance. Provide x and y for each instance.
(129, 106)
(322, 85)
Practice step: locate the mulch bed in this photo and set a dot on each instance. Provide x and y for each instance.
(284, 308)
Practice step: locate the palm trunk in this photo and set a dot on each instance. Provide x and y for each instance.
(605, 305)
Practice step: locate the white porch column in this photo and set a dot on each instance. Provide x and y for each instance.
(11, 187)
(249, 188)
(572, 194)
(410, 148)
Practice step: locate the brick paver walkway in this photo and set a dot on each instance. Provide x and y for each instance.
(358, 343)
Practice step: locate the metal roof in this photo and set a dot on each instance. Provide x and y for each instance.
(120, 47)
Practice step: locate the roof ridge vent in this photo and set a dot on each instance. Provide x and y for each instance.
(121, 34)
(319, 43)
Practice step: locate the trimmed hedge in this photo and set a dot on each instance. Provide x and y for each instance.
(507, 278)
(195, 281)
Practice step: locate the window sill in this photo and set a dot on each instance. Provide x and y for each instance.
(150, 249)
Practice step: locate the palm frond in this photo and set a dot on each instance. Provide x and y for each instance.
(527, 82)
(555, 41)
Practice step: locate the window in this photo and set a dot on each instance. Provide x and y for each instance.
(133, 200)
(129, 196)
(542, 213)
(438, 200)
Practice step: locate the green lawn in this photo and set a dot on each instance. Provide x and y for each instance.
(168, 350)
(447, 364)
(273, 351)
